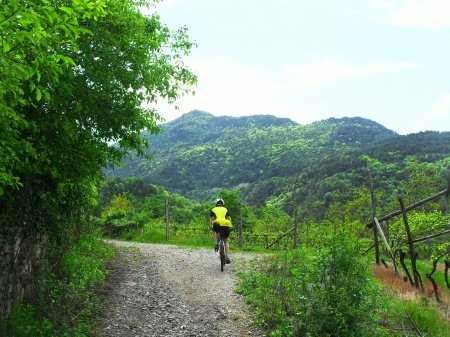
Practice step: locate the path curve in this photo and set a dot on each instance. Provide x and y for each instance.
(167, 291)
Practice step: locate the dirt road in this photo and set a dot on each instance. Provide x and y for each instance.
(166, 291)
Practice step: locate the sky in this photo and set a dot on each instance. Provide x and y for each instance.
(307, 60)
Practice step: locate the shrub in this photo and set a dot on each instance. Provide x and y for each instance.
(315, 293)
(116, 223)
(25, 322)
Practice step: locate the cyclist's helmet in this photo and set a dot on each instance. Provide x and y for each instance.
(220, 202)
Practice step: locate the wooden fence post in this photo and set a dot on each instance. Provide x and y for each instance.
(167, 219)
(387, 232)
(388, 248)
(374, 214)
(205, 229)
(447, 210)
(412, 254)
(241, 240)
(295, 229)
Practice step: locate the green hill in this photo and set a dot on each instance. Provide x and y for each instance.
(276, 159)
(200, 152)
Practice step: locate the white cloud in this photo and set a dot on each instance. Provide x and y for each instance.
(171, 2)
(442, 109)
(429, 14)
(323, 72)
(382, 4)
(437, 118)
(226, 87)
(351, 11)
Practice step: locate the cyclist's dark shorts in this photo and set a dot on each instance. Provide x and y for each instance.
(224, 229)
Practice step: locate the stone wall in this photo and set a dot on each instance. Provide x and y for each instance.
(20, 259)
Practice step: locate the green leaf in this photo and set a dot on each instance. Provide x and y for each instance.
(6, 46)
(68, 10)
(38, 94)
(47, 95)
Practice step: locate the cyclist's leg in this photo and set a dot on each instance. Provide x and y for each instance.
(226, 234)
(227, 247)
(216, 229)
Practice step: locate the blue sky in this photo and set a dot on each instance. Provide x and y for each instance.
(310, 60)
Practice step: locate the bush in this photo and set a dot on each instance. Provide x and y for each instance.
(66, 306)
(308, 293)
(116, 223)
(25, 322)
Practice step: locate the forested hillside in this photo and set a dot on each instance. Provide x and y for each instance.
(276, 159)
(199, 151)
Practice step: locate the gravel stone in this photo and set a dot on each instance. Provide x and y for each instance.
(167, 291)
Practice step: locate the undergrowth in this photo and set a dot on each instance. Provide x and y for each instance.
(415, 316)
(67, 304)
(306, 292)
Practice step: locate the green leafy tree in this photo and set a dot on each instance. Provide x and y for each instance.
(120, 202)
(76, 76)
(269, 219)
(34, 53)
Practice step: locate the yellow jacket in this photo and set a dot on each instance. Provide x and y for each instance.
(220, 215)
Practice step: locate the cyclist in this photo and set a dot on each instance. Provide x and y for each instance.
(220, 220)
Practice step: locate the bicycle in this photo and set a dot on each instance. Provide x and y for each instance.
(222, 253)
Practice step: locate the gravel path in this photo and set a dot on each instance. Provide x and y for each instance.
(166, 291)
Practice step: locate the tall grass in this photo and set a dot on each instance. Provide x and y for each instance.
(402, 300)
(425, 315)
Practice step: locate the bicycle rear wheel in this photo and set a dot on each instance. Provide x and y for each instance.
(222, 254)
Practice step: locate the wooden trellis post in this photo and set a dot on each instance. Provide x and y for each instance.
(205, 231)
(447, 195)
(410, 207)
(412, 253)
(388, 248)
(241, 241)
(167, 219)
(280, 237)
(374, 214)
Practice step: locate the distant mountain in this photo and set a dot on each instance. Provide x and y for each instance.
(198, 151)
(425, 144)
(336, 176)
